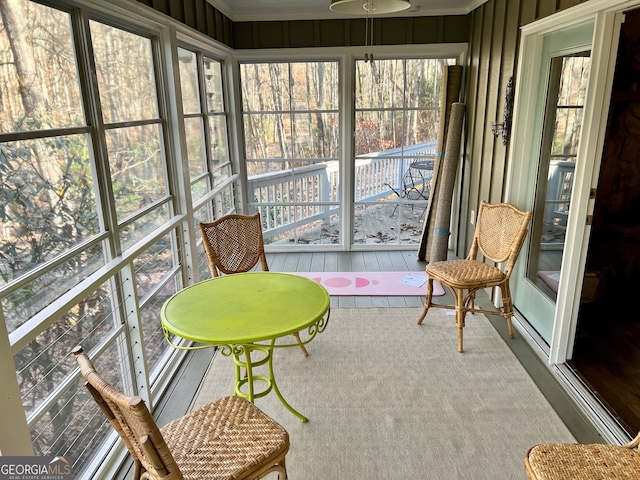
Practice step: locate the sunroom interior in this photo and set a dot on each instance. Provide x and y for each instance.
(126, 123)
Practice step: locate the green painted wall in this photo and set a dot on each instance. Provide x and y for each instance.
(197, 14)
(334, 33)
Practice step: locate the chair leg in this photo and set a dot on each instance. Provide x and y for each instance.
(137, 470)
(427, 303)
(283, 475)
(507, 306)
(302, 347)
(460, 314)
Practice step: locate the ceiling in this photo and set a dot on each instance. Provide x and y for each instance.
(255, 10)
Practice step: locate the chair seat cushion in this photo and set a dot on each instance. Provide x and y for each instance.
(580, 461)
(465, 273)
(224, 439)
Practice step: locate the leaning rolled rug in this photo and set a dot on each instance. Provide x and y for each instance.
(442, 222)
(452, 81)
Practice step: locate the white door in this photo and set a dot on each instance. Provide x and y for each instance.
(550, 172)
(555, 160)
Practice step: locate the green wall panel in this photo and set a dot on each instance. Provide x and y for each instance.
(333, 33)
(303, 34)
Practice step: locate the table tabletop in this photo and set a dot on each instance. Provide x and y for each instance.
(244, 308)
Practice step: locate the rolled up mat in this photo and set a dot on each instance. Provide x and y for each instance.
(452, 80)
(441, 230)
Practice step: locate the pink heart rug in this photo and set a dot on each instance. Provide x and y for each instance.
(374, 283)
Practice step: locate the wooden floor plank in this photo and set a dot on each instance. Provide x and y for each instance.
(344, 262)
(276, 262)
(304, 262)
(330, 263)
(371, 262)
(357, 262)
(317, 262)
(384, 262)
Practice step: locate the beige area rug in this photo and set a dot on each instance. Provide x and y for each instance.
(389, 399)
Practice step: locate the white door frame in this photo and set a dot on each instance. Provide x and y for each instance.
(607, 17)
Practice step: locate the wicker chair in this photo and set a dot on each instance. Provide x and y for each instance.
(582, 462)
(234, 244)
(500, 232)
(229, 438)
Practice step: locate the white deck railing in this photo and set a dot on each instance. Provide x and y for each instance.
(299, 196)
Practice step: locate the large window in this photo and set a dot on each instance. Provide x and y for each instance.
(296, 157)
(291, 130)
(397, 111)
(211, 176)
(91, 208)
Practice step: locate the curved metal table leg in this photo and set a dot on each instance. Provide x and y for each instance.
(242, 359)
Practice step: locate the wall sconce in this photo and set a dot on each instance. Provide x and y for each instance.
(504, 129)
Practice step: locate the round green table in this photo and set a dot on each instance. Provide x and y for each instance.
(237, 312)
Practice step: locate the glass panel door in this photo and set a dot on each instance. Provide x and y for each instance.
(544, 170)
(560, 139)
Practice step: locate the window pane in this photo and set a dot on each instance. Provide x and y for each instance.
(45, 362)
(221, 174)
(310, 135)
(199, 188)
(76, 427)
(563, 124)
(379, 131)
(47, 201)
(137, 169)
(143, 226)
(567, 132)
(382, 86)
(155, 344)
(124, 65)
(304, 224)
(189, 81)
(202, 215)
(195, 141)
(151, 268)
(207, 139)
(265, 87)
(268, 135)
(152, 265)
(49, 94)
(396, 128)
(224, 201)
(312, 87)
(33, 297)
(218, 137)
(213, 85)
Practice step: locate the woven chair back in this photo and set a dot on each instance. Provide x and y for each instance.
(234, 244)
(500, 232)
(132, 420)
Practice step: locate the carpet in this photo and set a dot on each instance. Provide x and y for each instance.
(374, 283)
(389, 399)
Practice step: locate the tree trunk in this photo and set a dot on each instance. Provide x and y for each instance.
(14, 17)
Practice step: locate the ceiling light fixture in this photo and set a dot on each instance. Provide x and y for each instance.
(369, 8)
(364, 7)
